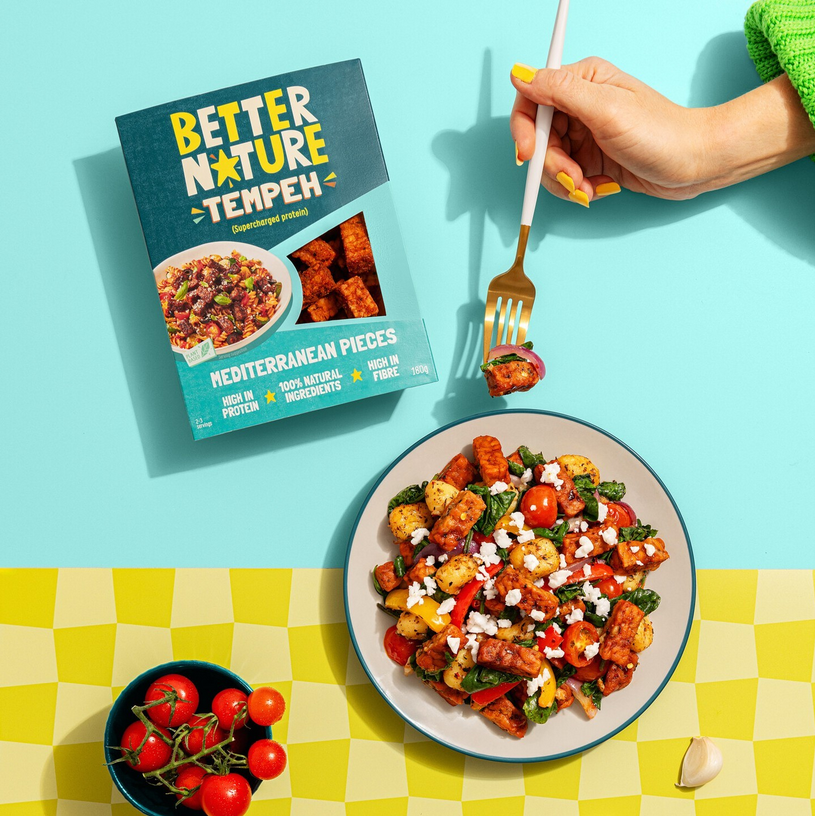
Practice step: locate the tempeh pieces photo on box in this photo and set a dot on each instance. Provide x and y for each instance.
(338, 274)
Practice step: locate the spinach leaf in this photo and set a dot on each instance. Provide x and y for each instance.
(527, 643)
(530, 459)
(410, 495)
(467, 541)
(592, 692)
(514, 468)
(593, 619)
(613, 491)
(541, 628)
(480, 677)
(377, 585)
(497, 506)
(503, 554)
(535, 713)
(567, 593)
(393, 612)
(422, 674)
(645, 599)
(555, 535)
(507, 358)
(562, 675)
(509, 613)
(585, 489)
(638, 533)
(418, 548)
(399, 566)
(606, 556)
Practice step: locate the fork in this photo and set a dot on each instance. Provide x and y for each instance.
(513, 288)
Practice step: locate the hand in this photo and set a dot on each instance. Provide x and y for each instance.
(611, 130)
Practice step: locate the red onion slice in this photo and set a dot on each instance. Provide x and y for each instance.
(588, 706)
(524, 353)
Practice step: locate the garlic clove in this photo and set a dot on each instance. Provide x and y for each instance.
(703, 761)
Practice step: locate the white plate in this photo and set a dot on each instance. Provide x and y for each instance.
(569, 731)
(272, 263)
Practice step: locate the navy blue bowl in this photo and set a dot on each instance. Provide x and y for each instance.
(209, 679)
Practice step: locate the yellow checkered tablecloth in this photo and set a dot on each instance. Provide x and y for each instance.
(71, 639)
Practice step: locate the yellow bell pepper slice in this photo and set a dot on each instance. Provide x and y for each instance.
(549, 687)
(427, 609)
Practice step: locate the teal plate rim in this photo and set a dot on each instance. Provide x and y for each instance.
(492, 757)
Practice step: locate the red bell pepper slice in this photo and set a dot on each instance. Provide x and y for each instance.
(598, 571)
(486, 696)
(549, 639)
(467, 593)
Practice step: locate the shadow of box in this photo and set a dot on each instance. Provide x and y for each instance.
(338, 275)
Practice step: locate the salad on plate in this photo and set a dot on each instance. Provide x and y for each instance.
(519, 584)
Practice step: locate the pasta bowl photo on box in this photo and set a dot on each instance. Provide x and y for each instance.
(534, 588)
(227, 292)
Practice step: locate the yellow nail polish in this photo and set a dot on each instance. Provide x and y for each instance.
(523, 72)
(580, 197)
(517, 160)
(609, 188)
(566, 180)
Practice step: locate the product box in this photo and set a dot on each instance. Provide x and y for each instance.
(268, 218)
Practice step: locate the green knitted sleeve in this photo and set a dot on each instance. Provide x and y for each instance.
(781, 39)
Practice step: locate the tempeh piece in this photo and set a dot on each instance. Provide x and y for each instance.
(509, 657)
(490, 460)
(458, 519)
(619, 632)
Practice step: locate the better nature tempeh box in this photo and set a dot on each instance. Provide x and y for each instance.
(276, 252)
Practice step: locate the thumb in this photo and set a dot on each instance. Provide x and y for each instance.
(563, 90)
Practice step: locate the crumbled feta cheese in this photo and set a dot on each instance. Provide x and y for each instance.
(502, 538)
(430, 560)
(430, 585)
(587, 570)
(488, 553)
(503, 623)
(563, 563)
(620, 579)
(537, 615)
(443, 558)
(591, 650)
(454, 643)
(498, 487)
(550, 475)
(537, 682)
(574, 524)
(472, 644)
(540, 582)
(609, 535)
(479, 623)
(586, 547)
(584, 525)
(482, 574)
(557, 628)
(524, 536)
(446, 607)
(518, 519)
(602, 512)
(526, 476)
(635, 549)
(603, 607)
(419, 535)
(559, 578)
(638, 563)
(591, 593)
(650, 549)
(415, 594)
(574, 616)
(530, 628)
(550, 653)
(490, 591)
(531, 561)
(513, 597)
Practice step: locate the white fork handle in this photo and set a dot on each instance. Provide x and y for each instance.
(543, 121)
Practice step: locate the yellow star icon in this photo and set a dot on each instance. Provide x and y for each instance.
(270, 397)
(357, 376)
(225, 167)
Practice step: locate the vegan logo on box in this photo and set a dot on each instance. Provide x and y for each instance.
(275, 248)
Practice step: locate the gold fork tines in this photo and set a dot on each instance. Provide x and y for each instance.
(516, 293)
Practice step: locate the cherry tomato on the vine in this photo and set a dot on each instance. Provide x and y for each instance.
(267, 759)
(618, 514)
(203, 726)
(266, 705)
(171, 715)
(188, 779)
(229, 706)
(539, 506)
(228, 795)
(575, 640)
(154, 754)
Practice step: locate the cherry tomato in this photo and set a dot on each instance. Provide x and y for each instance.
(171, 715)
(154, 755)
(228, 795)
(598, 570)
(399, 648)
(619, 515)
(267, 759)
(266, 705)
(189, 778)
(539, 506)
(575, 640)
(594, 669)
(203, 725)
(229, 706)
(608, 586)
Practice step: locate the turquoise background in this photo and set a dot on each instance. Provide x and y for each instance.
(685, 329)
